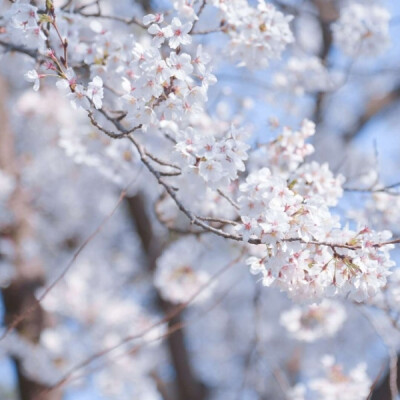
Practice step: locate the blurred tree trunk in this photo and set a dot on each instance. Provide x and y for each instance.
(146, 4)
(382, 389)
(19, 296)
(187, 386)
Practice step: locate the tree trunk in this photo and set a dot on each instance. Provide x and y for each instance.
(19, 296)
(187, 386)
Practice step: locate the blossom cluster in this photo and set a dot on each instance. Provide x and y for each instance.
(315, 321)
(160, 89)
(179, 275)
(185, 271)
(257, 35)
(154, 85)
(149, 81)
(176, 33)
(335, 384)
(216, 159)
(36, 361)
(362, 30)
(303, 74)
(307, 253)
(381, 210)
(287, 151)
(23, 27)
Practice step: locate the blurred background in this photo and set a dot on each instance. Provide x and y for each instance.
(61, 206)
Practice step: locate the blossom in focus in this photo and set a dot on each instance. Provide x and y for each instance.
(180, 34)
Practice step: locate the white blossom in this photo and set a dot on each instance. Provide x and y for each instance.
(337, 385)
(362, 30)
(258, 35)
(95, 91)
(33, 76)
(179, 33)
(315, 321)
(179, 276)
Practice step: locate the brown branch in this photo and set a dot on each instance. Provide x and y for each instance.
(326, 14)
(196, 220)
(385, 189)
(19, 49)
(375, 107)
(127, 21)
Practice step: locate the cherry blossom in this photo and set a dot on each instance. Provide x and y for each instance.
(179, 33)
(362, 30)
(160, 34)
(304, 74)
(179, 274)
(257, 35)
(153, 18)
(95, 91)
(336, 384)
(144, 194)
(33, 76)
(315, 321)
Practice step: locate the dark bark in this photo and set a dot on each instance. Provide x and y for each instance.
(147, 5)
(382, 389)
(19, 296)
(375, 106)
(327, 13)
(187, 386)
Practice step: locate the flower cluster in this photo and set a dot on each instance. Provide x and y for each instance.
(315, 321)
(336, 384)
(22, 26)
(257, 35)
(216, 159)
(160, 89)
(153, 85)
(303, 74)
(145, 80)
(36, 361)
(294, 260)
(179, 275)
(349, 264)
(381, 210)
(362, 30)
(286, 152)
(176, 33)
(306, 253)
(314, 180)
(186, 9)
